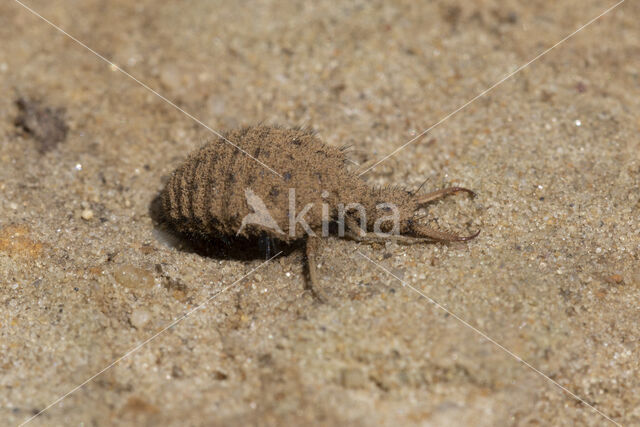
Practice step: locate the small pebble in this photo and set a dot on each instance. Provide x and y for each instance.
(133, 277)
(87, 214)
(139, 317)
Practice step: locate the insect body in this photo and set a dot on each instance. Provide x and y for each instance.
(220, 191)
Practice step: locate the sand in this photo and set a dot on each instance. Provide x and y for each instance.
(87, 274)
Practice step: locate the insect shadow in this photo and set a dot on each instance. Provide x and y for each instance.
(217, 247)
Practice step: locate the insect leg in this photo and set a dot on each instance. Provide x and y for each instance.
(312, 245)
(264, 244)
(436, 195)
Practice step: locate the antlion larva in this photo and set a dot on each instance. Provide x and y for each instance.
(220, 191)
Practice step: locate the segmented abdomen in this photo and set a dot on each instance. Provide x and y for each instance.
(207, 193)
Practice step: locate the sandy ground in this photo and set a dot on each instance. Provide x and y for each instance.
(86, 274)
